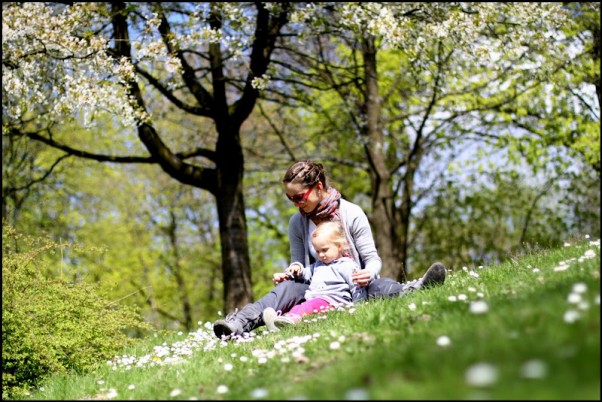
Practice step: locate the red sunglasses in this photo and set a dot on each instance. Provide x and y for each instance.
(299, 198)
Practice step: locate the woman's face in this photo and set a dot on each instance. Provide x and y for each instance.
(303, 197)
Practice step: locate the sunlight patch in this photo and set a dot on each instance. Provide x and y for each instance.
(478, 307)
(481, 375)
(534, 369)
(259, 393)
(357, 394)
(443, 341)
(570, 316)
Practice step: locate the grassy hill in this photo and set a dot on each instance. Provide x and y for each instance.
(525, 329)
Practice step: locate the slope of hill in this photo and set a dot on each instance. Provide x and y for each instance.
(526, 329)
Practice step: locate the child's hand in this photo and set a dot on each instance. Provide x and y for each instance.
(294, 270)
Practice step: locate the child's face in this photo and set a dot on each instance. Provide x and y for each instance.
(327, 250)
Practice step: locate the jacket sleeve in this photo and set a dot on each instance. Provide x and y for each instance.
(296, 241)
(361, 233)
(307, 273)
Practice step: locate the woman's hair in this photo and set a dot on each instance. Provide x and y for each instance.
(334, 230)
(306, 173)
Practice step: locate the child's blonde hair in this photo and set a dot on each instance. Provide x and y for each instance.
(335, 232)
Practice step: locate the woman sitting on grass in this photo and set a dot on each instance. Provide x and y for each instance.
(331, 282)
(306, 185)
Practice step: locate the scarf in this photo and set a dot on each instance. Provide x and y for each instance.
(327, 209)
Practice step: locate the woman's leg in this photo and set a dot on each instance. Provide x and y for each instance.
(387, 287)
(282, 297)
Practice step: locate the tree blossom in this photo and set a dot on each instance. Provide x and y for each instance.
(80, 78)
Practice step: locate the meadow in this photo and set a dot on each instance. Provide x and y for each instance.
(527, 329)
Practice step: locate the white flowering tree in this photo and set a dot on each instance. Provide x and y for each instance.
(88, 60)
(419, 82)
(85, 63)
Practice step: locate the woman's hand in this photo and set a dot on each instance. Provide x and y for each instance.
(291, 272)
(361, 277)
(279, 277)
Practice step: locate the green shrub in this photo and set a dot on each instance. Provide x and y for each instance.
(50, 325)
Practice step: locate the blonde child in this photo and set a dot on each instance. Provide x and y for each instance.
(331, 277)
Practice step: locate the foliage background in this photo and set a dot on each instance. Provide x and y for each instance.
(468, 133)
(476, 200)
(54, 325)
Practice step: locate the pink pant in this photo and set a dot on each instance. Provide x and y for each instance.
(308, 307)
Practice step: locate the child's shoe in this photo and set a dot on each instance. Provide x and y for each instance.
(269, 317)
(284, 321)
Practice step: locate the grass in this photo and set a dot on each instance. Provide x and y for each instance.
(525, 329)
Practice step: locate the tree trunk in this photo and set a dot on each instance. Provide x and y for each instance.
(405, 211)
(226, 179)
(236, 265)
(382, 217)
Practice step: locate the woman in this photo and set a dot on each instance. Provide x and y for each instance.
(306, 185)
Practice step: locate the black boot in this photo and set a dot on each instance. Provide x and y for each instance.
(238, 322)
(434, 276)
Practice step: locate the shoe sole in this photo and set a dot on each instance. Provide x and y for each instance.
(221, 329)
(282, 323)
(435, 275)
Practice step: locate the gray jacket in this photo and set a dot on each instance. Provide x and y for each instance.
(332, 282)
(357, 230)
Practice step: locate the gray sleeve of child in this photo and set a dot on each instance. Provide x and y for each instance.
(307, 273)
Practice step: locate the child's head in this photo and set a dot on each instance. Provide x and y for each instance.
(329, 241)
